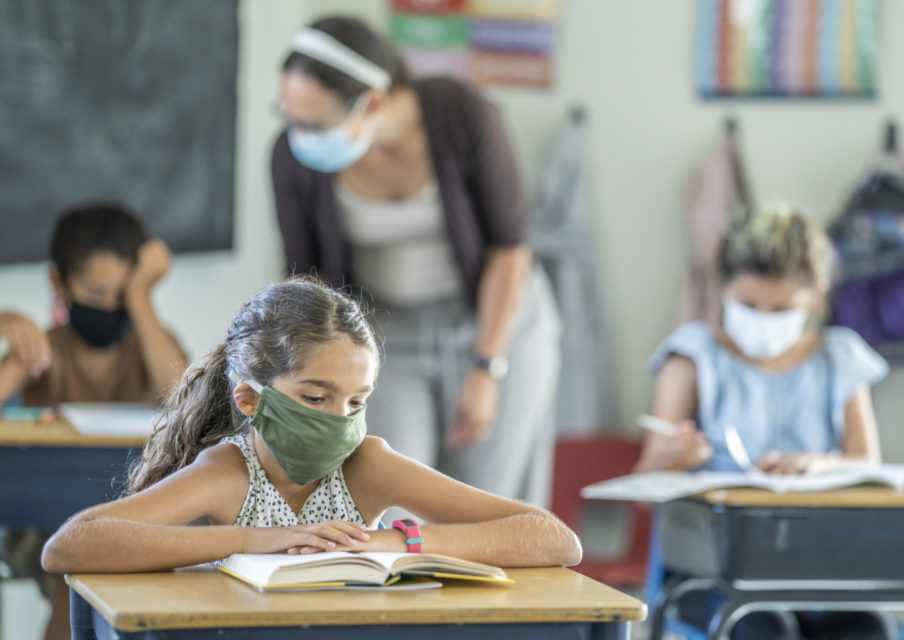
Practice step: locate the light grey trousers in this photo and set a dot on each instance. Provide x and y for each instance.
(428, 351)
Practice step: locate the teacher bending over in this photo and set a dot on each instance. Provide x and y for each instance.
(409, 189)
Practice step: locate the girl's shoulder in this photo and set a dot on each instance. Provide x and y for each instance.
(851, 357)
(693, 340)
(227, 459)
(372, 463)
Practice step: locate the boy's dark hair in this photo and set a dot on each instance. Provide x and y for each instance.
(361, 39)
(86, 230)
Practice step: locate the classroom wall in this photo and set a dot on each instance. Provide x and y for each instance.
(630, 65)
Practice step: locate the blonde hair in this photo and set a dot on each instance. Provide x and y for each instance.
(778, 242)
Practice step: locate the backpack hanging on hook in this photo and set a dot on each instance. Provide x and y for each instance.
(869, 240)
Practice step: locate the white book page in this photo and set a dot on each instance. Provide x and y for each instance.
(109, 418)
(258, 567)
(662, 486)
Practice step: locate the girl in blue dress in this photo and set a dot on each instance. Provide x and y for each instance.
(796, 391)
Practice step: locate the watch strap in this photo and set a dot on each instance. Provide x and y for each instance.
(412, 530)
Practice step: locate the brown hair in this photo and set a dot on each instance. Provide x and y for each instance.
(778, 242)
(270, 337)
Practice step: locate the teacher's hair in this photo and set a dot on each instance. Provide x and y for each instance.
(270, 337)
(361, 39)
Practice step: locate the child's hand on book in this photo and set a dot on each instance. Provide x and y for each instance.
(26, 342)
(685, 449)
(391, 540)
(335, 535)
(796, 463)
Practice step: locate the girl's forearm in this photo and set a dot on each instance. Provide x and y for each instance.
(534, 539)
(113, 545)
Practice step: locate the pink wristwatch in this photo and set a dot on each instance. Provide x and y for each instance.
(412, 531)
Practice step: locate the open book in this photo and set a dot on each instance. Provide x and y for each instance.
(662, 486)
(277, 571)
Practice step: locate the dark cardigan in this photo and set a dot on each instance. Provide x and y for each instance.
(475, 168)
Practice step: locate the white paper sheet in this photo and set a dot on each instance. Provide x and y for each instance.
(109, 418)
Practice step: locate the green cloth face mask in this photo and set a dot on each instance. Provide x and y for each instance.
(307, 443)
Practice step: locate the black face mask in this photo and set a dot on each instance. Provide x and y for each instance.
(98, 327)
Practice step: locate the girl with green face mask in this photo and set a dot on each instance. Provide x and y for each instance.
(265, 439)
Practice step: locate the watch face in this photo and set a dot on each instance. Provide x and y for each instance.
(407, 522)
(498, 367)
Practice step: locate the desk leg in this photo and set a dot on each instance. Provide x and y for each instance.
(615, 630)
(81, 617)
(669, 595)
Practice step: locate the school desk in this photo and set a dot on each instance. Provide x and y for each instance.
(50, 471)
(542, 604)
(834, 550)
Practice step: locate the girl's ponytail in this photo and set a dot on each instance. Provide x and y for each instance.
(201, 412)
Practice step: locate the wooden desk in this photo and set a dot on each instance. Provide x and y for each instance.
(832, 550)
(50, 471)
(542, 604)
(880, 497)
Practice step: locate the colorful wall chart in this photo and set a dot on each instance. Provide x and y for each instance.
(786, 48)
(500, 42)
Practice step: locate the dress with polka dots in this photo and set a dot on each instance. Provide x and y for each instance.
(265, 507)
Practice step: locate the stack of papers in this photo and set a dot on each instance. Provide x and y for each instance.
(110, 418)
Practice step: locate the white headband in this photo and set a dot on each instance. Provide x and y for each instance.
(329, 51)
(237, 379)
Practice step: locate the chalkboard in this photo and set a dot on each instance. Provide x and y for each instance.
(129, 101)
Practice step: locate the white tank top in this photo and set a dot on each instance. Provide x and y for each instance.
(400, 249)
(265, 507)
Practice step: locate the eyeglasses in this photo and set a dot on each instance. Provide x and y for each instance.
(350, 106)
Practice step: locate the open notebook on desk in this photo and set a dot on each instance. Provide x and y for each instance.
(662, 486)
(109, 418)
(340, 569)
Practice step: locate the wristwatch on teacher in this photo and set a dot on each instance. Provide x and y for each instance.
(497, 367)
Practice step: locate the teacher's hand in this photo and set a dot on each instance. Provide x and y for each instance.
(478, 404)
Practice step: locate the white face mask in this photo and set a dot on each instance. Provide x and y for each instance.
(761, 335)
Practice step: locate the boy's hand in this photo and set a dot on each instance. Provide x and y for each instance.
(154, 260)
(27, 342)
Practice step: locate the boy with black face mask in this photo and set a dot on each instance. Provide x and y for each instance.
(108, 347)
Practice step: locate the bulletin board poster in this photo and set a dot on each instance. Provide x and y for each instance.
(488, 42)
(787, 48)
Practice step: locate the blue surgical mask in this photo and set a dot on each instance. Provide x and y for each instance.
(331, 150)
(327, 151)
